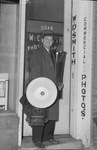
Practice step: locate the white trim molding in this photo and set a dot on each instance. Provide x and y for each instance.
(81, 70)
(22, 10)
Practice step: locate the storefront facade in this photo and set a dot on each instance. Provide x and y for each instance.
(79, 43)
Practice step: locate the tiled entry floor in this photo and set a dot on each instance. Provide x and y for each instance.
(66, 142)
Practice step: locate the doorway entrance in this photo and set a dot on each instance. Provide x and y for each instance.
(62, 127)
(33, 41)
(34, 26)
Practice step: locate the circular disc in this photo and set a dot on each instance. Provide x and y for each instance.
(41, 92)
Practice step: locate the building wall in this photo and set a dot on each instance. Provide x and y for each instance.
(94, 79)
(8, 130)
(9, 49)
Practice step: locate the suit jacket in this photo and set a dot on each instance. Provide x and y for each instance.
(41, 65)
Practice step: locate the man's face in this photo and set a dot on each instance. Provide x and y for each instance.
(47, 41)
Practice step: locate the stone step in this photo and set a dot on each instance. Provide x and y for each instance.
(66, 142)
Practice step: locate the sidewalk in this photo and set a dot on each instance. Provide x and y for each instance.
(66, 142)
(90, 148)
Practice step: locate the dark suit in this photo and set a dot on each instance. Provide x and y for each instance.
(42, 65)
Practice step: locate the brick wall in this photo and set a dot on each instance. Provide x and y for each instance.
(8, 130)
(94, 78)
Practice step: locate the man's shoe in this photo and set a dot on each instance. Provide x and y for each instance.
(53, 141)
(39, 144)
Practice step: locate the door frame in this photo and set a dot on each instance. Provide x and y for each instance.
(75, 120)
(22, 12)
(67, 45)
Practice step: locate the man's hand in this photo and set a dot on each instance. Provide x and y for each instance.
(60, 86)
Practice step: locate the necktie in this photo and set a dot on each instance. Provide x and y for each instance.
(52, 57)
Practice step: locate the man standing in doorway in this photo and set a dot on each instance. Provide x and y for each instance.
(42, 63)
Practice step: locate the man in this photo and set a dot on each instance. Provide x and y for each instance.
(42, 63)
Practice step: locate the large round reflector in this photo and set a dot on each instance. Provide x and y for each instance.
(41, 92)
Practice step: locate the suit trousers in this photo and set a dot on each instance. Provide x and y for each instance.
(43, 133)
